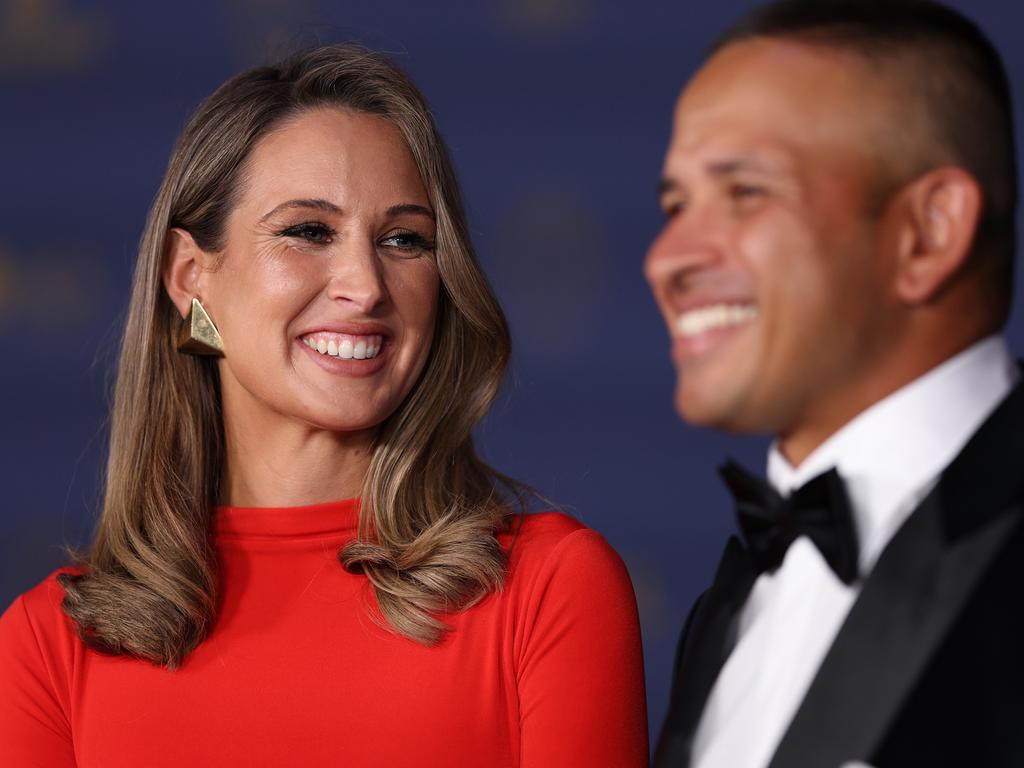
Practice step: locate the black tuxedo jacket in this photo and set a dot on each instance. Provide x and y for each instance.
(928, 668)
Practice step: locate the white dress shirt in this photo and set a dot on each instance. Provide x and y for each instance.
(890, 456)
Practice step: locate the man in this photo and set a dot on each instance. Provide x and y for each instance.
(835, 270)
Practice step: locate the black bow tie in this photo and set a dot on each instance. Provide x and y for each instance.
(819, 510)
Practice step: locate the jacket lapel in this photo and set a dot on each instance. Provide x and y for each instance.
(703, 648)
(913, 596)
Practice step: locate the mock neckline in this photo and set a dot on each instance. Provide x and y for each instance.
(315, 520)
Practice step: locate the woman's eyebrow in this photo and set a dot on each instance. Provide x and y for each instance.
(328, 207)
(318, 203)
(420, 210)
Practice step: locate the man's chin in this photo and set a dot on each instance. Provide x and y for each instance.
(699, 411)
(713, 408)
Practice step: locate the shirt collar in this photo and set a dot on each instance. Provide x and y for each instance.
(891, 454)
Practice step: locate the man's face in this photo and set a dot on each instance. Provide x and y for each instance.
(772, 271)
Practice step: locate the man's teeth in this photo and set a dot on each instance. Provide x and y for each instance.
(712, 317)
(346, 348)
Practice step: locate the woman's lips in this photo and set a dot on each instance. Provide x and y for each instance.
(346, 353)
(345, 346)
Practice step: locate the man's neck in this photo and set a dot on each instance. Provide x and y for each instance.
(892, 453)
(823, 420)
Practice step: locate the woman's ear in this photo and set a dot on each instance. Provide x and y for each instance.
(184, 263)
(941, 217)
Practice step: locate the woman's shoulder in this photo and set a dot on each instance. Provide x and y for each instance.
(553, 545)
(537, 534)
(47, 595)
(38, 652)
(574, 611)
(35, 623)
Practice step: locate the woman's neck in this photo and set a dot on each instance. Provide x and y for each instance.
(289, 464)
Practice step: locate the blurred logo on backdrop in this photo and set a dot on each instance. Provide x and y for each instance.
(267, 30)
(45, 37)
(551, 270)
(541, 15)
(50, 291)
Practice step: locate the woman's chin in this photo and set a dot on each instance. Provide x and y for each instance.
(350, 424)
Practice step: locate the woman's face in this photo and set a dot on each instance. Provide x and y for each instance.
(326, 292)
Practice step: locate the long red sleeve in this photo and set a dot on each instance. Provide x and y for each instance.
(579, 655)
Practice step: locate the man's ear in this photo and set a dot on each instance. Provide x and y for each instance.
(184, 264)
(941, 210)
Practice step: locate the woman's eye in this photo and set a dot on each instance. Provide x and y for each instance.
(407, 241)
(311, 232)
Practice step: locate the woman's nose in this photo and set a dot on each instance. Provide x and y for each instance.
(357, 277)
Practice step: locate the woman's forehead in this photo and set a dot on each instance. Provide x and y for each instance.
(348, 158)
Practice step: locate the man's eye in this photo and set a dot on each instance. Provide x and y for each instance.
(673, 209)
(310, 231)
(407, 241)
(745, 191)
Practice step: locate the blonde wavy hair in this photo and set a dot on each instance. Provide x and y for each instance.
(430, 507)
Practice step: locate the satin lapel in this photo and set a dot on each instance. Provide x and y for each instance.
(914, 594)
(902, 615)
(703, 648)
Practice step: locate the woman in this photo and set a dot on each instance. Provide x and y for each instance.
(339, 341)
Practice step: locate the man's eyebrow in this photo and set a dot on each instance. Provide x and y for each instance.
(722, 168)
(730, 166)
(318, 203)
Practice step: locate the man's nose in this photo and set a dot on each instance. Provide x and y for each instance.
(683, 247)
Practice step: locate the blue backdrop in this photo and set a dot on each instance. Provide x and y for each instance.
(557, 114)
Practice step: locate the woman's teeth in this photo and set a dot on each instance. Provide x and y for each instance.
(344, 346)
(709, 318)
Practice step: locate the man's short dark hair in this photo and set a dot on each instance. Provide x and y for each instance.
(928, 49)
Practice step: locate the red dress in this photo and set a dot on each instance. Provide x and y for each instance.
(546, 672)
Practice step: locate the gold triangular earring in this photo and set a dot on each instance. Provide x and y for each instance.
(199, 336)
